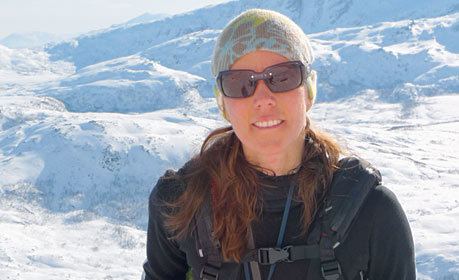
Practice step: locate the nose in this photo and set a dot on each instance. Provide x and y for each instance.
(263, 97)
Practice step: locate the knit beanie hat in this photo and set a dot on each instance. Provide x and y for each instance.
(258, 29)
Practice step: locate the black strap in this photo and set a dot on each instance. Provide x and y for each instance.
(252, 266)
(208, 247)
(349, 188)
(209, 272)
(304, 252)
(329, 266)
(271, 255)
(331, 270)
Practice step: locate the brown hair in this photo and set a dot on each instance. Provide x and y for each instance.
(222, 165)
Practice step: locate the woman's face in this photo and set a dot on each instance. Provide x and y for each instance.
(284, 113)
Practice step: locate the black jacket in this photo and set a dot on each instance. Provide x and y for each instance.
(380, 230)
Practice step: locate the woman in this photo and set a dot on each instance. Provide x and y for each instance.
(268, 197)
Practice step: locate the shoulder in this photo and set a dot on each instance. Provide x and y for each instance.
(391, 241)
(386, 213)
(383, 195)
(382, 235)
(385, 204)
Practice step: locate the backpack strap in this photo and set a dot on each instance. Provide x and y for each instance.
(330, 268)
(207, 246)
(254, 268)
(349, 189)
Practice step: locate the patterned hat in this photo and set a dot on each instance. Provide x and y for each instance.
(258, 29)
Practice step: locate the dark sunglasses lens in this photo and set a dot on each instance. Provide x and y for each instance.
(285, 77)
(237, 84)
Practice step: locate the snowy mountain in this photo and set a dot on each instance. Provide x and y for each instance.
(313, 16)
(143, 18)
(418, 53)
(175, 53)
(30, 40)
(132, 84)
(408, 58)
(88, 126)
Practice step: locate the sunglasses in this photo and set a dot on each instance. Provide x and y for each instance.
(280, 77)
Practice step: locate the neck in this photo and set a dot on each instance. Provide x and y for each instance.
(281, 163)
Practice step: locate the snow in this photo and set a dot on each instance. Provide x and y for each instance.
(65, 247)
(88, 161)
(143, 18)
(409, 60)
(22, 67)
(87, 127)
(132, 84)
(36, 40)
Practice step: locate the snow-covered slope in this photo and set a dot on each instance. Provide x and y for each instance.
(324, 15)
(143, 18)
(102, 162)
(132, 84)
(405, 58)
(175, 53)
(19, 67)
(26, 62)
(30, 40)
(74, 187)
(74, 245)
(89, 49)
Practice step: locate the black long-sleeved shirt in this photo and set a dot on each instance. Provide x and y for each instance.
(380, 230)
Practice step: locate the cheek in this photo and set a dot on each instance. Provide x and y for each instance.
(300, 101)
(297, 106)
(234, 109)
(228, 108)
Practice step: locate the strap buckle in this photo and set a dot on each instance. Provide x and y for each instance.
(267, 256)
(331, 270)
(209, 272)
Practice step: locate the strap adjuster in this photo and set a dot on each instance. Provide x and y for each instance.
(331, 270)
(267, 256)
(209, 272)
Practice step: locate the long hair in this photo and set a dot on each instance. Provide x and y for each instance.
(221, 165)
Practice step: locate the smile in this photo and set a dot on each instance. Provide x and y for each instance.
(267, 124)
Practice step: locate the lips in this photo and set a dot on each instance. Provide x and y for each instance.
(267, 124)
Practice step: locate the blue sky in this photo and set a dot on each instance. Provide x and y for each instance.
(78, 16)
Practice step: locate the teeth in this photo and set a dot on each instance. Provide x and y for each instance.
(268, 123)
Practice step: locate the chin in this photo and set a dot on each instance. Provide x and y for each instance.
(269, 147)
